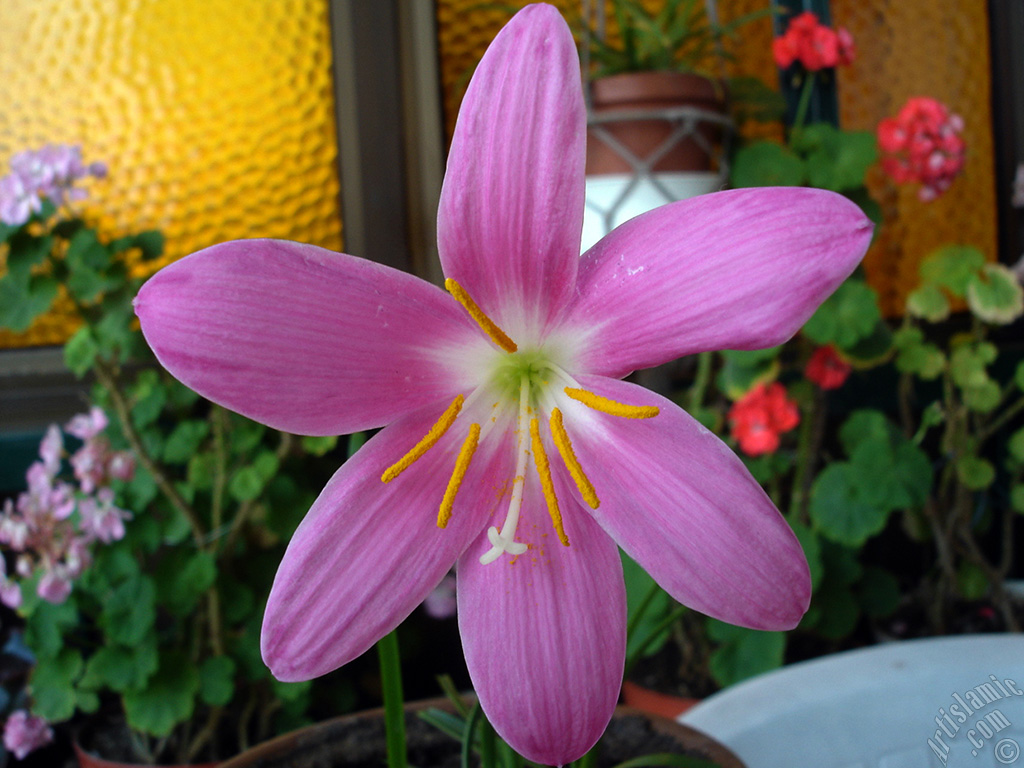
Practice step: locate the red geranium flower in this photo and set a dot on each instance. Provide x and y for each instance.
(761, 416)
(813, 44)
(923, 144)
(827, 369)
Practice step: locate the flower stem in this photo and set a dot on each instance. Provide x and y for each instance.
(391, 686)
(804, 104)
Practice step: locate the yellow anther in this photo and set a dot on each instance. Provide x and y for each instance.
(564, 446)
(461, 465)
(436, 433)
(491, 328)
(540, 458)
(612, 408)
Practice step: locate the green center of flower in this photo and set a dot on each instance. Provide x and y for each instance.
(532, 383)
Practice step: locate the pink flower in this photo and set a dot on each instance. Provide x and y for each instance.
(510, 447)
(761, 416)
(18, 201)
(54, 586)
(440, 603)
(86, 426)
(24, 733)
(922, 144)
(827, 369)
(10, 591)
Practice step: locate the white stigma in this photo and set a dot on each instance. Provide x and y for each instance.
(503, 541)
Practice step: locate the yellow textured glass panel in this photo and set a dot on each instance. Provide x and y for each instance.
(215, 117)
(922, 48)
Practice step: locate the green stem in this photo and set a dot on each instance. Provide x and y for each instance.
(391, 686)
(804, 104)
(701, 380)
(642, 609)
(488, 745)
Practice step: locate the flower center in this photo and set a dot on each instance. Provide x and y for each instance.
(532, 383)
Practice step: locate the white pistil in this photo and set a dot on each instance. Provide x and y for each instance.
(503, 541)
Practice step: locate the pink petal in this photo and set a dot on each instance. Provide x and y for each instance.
(368, 553)
(741, 269)
(300, 338)
(511, 208)
(544, 633)
(682, 505)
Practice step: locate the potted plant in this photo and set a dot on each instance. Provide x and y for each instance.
(142, 553)
(657, 60)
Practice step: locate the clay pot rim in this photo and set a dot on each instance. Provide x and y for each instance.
(664, 86)
(255, 755)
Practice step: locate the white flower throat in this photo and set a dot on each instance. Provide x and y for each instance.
(532, 383)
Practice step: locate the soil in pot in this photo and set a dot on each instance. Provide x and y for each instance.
(357, 741)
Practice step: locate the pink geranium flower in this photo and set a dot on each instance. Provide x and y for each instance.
(761, 416)
(510, 447)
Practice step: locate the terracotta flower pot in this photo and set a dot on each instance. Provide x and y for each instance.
(357, 740)
(88, 760)
(634, 91)
(655, 702)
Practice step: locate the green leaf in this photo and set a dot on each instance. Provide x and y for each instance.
(201, 467)
(1017, 498)
(929, 303)
(843, 508)
(183, 579)
(52, 685)
(766, 164)
(184, 440)
(916, 356)
(128, 613)
(743, 653)
(836, 160)
(1016, 445)
(847, 316)
(811, 545)
(863, 426)
(121, 668)
(217, 681)
(20, 305)
(952, 267)
(290, 691)
(972, 581)
(168, 698)
(995, 295)
(639, 586)
(318, 446)
(246, 484)
(151, 243)
(25, 252)
(47, 623)
(80, 352)
(741, 370)
(975, 472)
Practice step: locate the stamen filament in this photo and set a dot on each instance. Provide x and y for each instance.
(611, 407)
(427, 442)
(540, 459)
(455, 482)
(502, 541)
(489, 327)
(564, 446)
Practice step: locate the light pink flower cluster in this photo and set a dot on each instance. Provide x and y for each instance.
(923, 144)
(50, 172)
(24, 733)
(813, 44)
(41, 525)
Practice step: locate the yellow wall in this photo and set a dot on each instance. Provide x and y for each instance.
(215, 117)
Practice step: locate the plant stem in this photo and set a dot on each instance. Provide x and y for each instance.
(664, 624)
(108, 380)
(804, 104)
(701, 380)
(391, 686)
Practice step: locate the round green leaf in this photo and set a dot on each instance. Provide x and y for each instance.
(975, 472)
(995, 295)
(928, 302)
(847, 316)
(766, 164)
(952, 267)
